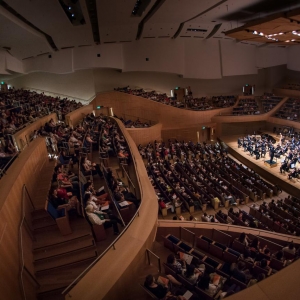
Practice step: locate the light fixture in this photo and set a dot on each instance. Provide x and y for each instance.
(287, 41)
(255, 32)
(73, 15)
(70, 7)
(261, 34)
(293, 40)
(281, 33)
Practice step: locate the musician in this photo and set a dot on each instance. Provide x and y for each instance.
(280, 139)
(284, 167)
(272, 152)
(293, 174)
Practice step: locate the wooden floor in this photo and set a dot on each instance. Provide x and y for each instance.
(271, 174)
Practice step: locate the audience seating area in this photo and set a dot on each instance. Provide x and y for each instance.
(247, 106)
(203, 103)
(269, 101)
(20, 108)
(191, 176)
(230, 261)
(290, 110)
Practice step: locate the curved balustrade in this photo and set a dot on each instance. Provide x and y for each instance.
(145, 135)
(53, 94)
(74, 117)
(170, 117)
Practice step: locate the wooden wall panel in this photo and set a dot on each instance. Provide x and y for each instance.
(288, 93)
(22, 171)
(145, 135)
(23, 135)
(74, 117)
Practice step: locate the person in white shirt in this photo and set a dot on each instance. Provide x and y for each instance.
(97, 217)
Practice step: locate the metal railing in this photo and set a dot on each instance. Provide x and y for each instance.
(24, 222)
(7, 165)
(128, 179)
(148, 252)
(49, 93)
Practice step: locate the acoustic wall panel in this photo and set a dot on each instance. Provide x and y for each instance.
(202, 59)
(237, 58)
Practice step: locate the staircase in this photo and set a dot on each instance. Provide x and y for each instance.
(58, 259)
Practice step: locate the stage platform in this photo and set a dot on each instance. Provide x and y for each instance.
(270, 173)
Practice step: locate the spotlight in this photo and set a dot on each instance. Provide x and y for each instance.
(281, 33)
(293, 40)
(287, 41)
(255, 32)
(70, 7)
(261, 34)
(73, 15)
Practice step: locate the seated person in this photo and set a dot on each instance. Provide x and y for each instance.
(206, 285)
(238, 272)
(290, 248)
(192, 274)
(122, 194)
(59, 202)
(90, 168)
(160, 288)
(98, 218)
(179, 266)
(243, 238)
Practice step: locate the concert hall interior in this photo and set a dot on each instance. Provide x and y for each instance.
(149, 149)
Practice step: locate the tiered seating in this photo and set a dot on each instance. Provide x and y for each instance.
(269, 101)
(246, 106)
(290, 110)
(202, 174)
(222, 254)
(203, 103)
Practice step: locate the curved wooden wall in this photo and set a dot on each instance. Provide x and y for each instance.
(21, 172)
(22, 136)
(74, 117)
(119, 268)
(170, 117)
(286, 92)
(144, 136)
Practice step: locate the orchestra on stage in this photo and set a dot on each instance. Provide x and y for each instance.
(287, 150)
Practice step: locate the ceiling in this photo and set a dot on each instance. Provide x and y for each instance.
(35, 27)
(278, 29)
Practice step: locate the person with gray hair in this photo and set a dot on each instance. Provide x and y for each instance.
(99, 218)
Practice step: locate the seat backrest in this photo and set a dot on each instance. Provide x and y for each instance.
(236, 245)
(202, 294)
(229, 258)
(202, 244)
(148, 292)
(258, 270)
(276, 264)
(238, 283)
(216, 251)
(185, 282)
(169, 270)
(54, 213)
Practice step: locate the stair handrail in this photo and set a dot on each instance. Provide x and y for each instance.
(22, 262)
